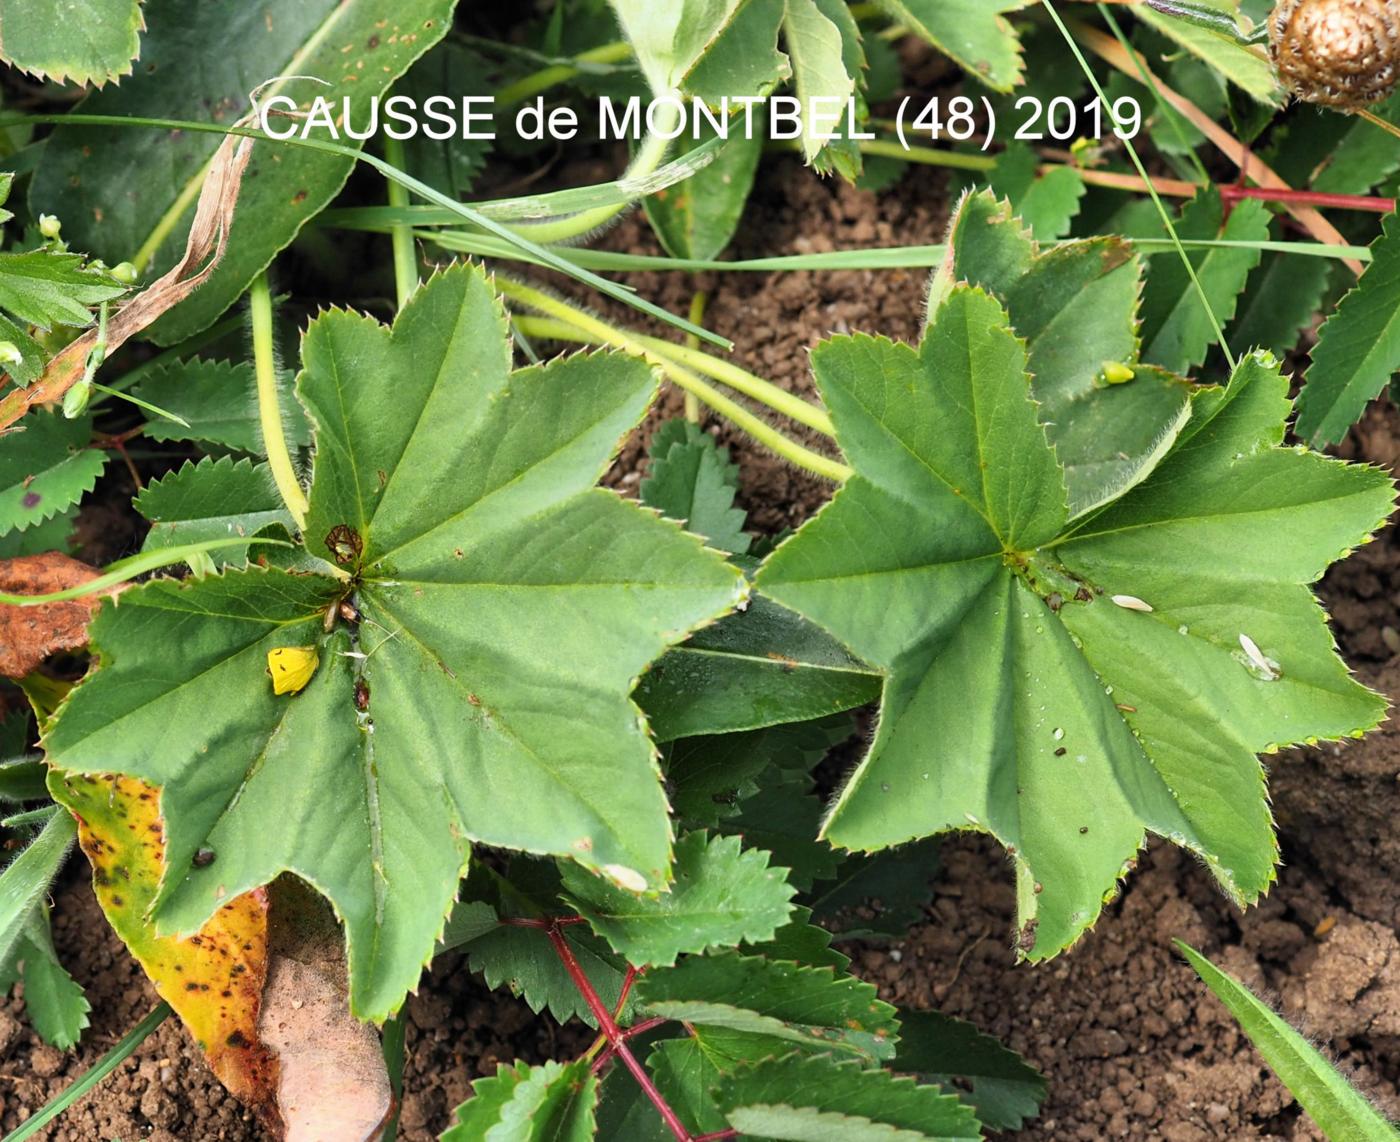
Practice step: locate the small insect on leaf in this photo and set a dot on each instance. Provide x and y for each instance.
(291, 668)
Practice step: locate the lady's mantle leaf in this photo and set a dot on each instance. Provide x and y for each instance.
(1019, 699)
(213, 979)
(506, 608)
(722, 896)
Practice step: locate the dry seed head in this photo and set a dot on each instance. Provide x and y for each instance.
(1341, 53)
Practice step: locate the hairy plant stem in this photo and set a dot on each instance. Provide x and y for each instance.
(284, 474)
(401, 235)
(616, 1039)
(541, 81)
(572, 325)
(697, 317)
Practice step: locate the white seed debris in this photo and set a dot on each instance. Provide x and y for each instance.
(1263, 666)
(1131, 603)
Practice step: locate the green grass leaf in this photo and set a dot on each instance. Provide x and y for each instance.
(212, 499)
(796, 1099)
(46, 468)
(1002, 1088)
(1342, 1113)
(1358, 347)
(92, 42)
(506, 608)
(218, 400)
(1020, 698)
(747, 1006)
(118, 201)
(551, 1102)
(721, 897)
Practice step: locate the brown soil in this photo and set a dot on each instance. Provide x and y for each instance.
(1132, 1045)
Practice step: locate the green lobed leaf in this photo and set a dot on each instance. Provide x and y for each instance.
(973, 33)
(784, 816)
(45, 468)
(117, 200)
(686, 1075)
(747, 1004)
(761, 667)
(219, 401)
(45, 288)
(692, 481)
(1341, 1111)
(1046, 202)
(1176, 329)
(721, 896)
(806, 1099)
(1002, 1088)
(1019, 699)
(1282, 298)
(1358, 347)
(506, 606)
(53, 1000)
(1075, 305)
(449, 165)
(824, 48)
(212, 499)
(93, 41)
(551, 1102)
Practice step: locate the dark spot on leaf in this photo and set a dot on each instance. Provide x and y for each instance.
(117, 900)
(237, 1038)
(372, 43)
(31, 499)
(344, 543)
(203, 857)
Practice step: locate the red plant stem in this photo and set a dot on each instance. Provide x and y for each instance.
(1234, 192)
(533, 922)
(605, 1056)
(616, 1039)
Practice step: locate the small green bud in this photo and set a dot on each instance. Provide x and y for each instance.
(50, 226)
(75, 400)
(10, 354)
(125, 272)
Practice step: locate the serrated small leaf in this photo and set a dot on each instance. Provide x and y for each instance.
(1002, 1088)
(801, 941)
(1343, 1114)
(53, 1000)
(797, 1099)
(973, 33)
(785, 818)
(219, 401)
(54, 534)
(26, 878)
(686, 1076)
(824, 48)
(212, 499)
(763, 666)
(1177, 331)
(551, 1102)
(768, 1003)
(45, 288)
(45, 468)
(1358, 347)
(1070, 688)
(693, 481)
(449, 165)
(1045, 201)
(67, 43)
(1280, 301)
(722, 895)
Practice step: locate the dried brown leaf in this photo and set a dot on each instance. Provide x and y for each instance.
(28, 635)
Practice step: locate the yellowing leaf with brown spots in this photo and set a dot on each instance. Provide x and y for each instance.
(213, 980)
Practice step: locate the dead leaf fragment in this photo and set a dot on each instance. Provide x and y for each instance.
(332, 1084)
(28, 635)
(204, 249)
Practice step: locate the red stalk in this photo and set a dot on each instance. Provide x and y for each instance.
(1317, 198)
(616, 1039)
